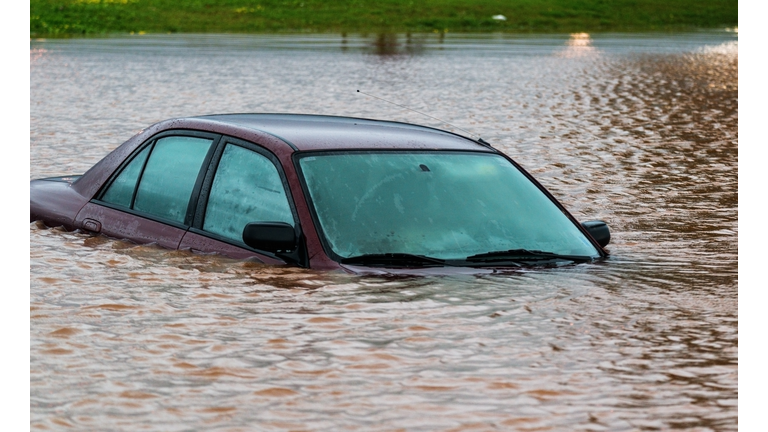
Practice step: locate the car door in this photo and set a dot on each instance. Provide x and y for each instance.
(151, 197)
(244, 184)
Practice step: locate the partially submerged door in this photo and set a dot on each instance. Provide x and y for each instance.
(152, 196)
(245, 184)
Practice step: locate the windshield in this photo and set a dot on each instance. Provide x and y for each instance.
(447, 205)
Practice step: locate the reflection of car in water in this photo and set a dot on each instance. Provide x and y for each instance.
(321, 192)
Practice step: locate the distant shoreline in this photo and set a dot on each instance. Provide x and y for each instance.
(73, 18)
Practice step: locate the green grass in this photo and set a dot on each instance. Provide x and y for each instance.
(93, 17)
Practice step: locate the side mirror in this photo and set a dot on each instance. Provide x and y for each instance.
(599, 231)
(270, 236)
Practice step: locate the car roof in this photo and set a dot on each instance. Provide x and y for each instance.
(323, 132)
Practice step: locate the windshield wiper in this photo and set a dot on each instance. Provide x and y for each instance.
(515, 256)
(523, 255)
(399, 259)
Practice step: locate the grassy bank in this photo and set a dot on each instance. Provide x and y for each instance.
(93, 17)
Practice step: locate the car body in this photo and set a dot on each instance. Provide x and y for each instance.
(321, 192)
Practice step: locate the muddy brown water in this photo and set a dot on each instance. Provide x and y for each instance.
(637, 130)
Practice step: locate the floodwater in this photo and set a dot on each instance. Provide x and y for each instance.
(637, 130)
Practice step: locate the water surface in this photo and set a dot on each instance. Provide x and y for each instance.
(637, 130)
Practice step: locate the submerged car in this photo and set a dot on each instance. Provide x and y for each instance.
(321, 192)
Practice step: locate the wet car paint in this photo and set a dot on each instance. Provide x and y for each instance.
(72, 204)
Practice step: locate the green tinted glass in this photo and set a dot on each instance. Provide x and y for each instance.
(444, 205)
(247, 188)
(170, 176)
(121, 190)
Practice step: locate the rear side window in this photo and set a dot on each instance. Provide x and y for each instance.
(170, 176)
(122, 189)
(165, 181)
(247, 188)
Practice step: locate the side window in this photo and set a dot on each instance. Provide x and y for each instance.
(167, 180)
(121, 190)
(247, 188)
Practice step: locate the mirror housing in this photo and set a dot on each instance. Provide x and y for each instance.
(599, 231)
(275, 237)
